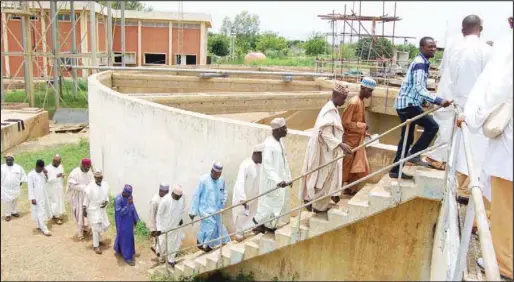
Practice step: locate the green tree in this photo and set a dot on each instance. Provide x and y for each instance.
(218, 44)
(411, 48)
(129, 5)
(271, 41)
(245, 26)
(316, 45)
(348, 51)
(380, 48)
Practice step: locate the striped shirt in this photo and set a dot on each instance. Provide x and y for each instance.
(413, 91)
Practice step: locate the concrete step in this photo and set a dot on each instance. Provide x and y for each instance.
(379, 197)
(201, 264)
(213, 260)
(237, 253)
(429, 183)
(319, 224)
(289, 235)
(179, 271)
(358, 206)
(189, 268)
(267, 243)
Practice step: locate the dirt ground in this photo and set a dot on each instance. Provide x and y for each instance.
(47, 141)
(26, 254)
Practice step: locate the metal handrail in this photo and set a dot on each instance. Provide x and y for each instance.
(308, 172)
(335, 192)
(492, 270)
(399, 162)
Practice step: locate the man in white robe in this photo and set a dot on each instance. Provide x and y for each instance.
(78, 180)
(154, 205)
(463, 62)
(169, 216)
(94, 207)
(275, 172)
(40, 208)
(492, 89)
(325, 145)
(13, 175)
(55, 188)
(246, 187)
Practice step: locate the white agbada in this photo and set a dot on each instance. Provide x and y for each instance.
(55, 189)
(95, 196)
(36, 189)
(12, 176)
(274, 170)
(245, 187)
(463, 62)
(169, 215)
(494, 87)
(323, 147)
(154, 205)
(77, 183)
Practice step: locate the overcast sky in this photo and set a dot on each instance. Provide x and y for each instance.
(297, 20)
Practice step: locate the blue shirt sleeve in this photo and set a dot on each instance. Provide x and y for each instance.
(420, 85)
(195, 202)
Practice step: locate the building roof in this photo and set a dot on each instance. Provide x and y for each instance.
(116, 14)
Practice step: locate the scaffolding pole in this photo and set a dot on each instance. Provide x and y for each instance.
(27, 49)
(109, 33)
(92, 33)
(73, 48)
(122, 7)
(53, 24)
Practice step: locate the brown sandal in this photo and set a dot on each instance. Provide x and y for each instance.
(435, 164)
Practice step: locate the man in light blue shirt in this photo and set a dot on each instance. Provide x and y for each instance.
(210, 197)
(413, 94)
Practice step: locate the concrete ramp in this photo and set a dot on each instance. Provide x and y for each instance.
(69, 115)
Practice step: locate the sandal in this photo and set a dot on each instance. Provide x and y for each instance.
(435, 164)
(349, 192)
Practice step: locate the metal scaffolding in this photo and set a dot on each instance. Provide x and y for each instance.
(48, 59)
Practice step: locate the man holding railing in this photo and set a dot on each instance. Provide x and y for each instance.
(210, 197)
(489, 109)
(275, 173)
(325, 145)
(413, 94)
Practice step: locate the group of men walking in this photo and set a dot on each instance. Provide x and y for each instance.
(473, 76)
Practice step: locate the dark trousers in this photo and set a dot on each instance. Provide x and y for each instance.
(430, 128)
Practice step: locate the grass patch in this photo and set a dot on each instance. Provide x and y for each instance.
(44, 96)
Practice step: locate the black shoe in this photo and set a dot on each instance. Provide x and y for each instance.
(16, 214)
(208, 249)
(271, 230)
(418, 161)
(259, 229)
(404, 176)
(131, 262)
(200, 246)
(7, 218)
(462, 200)
(336, 199)
(309, 207)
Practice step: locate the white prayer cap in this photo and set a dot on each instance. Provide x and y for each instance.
(9, 155)
(98, 172)
(217, 167)
(258, 148)
(164, 187)
(57, 156)
(339, 86)
(278, 123)
(177, 190)
(368, 82)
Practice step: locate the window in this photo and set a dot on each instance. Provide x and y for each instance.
(187, 26)
(155, 59)
(67, 61)
(16, 17)
(154, 24)
(127, 23)
(130, 58)
(185, 59)
(64, 17)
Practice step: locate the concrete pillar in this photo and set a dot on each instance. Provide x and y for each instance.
(203, 44)
(170, 43)
(5, 44)
(139, 53)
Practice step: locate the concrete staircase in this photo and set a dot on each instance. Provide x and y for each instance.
(370, 200)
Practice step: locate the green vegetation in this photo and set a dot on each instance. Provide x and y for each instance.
(44, 96)
(142, 233)
(380, 48)
(316, 45)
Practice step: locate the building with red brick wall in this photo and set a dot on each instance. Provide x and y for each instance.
(151, 38)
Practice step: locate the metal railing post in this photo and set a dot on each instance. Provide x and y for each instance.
(298, 230)
(398, 198)
(166, 258)
(220, 228)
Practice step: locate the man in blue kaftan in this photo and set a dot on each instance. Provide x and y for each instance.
(210, 196)
(126, 217)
